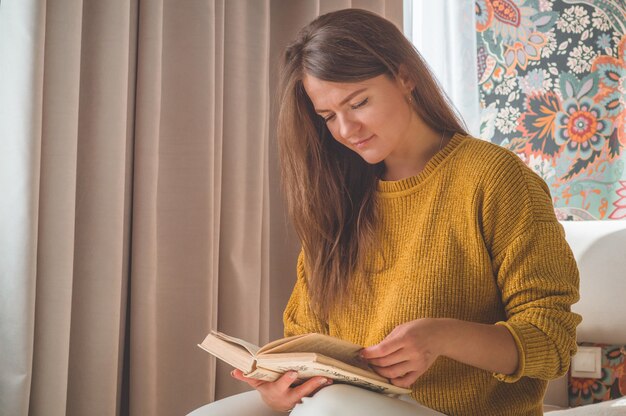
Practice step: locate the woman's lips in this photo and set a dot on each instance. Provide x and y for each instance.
(362, 143)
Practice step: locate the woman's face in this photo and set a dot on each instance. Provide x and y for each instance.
(371, 117)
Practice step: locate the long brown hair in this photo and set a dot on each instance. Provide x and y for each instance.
(330, 190)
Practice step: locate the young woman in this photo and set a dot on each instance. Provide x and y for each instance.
(439, 252)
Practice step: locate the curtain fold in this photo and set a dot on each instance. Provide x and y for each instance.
(57, 210)
(140, 202)
(176, 215)
(244, 251)
(21, 72)
(144, 267)
(102, 204)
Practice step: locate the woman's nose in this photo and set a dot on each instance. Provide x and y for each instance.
(348, 126)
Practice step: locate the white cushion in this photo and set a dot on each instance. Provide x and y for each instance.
(615, 407)
(600, 251)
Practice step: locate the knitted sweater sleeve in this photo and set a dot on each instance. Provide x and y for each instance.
(298, 317)
(535, 270)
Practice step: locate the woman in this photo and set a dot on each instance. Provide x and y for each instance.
(439, 252)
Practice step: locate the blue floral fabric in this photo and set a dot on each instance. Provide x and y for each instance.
(552, 80)
(612, 383)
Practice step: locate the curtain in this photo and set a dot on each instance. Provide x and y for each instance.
(443, 32)
(139, 202)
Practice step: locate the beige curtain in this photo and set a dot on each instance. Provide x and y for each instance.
(139, 202)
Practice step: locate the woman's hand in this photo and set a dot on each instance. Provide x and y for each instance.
(407, 352)
(279, 394)
(411, 348)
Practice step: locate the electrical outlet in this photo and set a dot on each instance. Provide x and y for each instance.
(587, 363)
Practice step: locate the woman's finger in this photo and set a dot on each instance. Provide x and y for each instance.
(309, 387)
(407, 380)
(279, 394)
(386, 347)
(253, 382)
(286, 380)
(391, 359)
(396, 370)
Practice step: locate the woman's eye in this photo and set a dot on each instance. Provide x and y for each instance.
(353, 106)
(359, 104)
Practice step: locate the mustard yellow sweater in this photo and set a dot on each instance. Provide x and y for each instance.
(472, 237)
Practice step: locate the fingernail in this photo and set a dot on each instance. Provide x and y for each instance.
(232, 373)
(293, 375)
(323, 381)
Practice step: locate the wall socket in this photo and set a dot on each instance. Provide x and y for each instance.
(587, 363)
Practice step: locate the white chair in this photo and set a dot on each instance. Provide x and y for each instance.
(600, 251)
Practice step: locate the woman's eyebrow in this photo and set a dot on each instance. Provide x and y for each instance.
(345, 100)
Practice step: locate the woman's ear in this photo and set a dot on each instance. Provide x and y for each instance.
(404, 81)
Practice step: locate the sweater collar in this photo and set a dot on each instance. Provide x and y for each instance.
(385, 187)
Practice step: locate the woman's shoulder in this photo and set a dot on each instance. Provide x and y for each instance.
(480, 157)
(498, 170)
(481, 150)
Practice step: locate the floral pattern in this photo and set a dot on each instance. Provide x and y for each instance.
(581, 127)
(552, 81)
(612, 383)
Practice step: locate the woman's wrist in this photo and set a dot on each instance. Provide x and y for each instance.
(446, 334)
(485, 346)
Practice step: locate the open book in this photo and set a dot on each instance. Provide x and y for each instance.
(310, 355)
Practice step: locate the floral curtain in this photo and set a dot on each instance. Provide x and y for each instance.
(552, 81)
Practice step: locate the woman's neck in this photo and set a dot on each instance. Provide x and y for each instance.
(420, 146)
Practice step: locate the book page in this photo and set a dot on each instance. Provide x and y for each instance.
(251, 348)
(319, 358)
(234, 354)
(308, 367)
(273, 344)
(332, 347)
(264, 374)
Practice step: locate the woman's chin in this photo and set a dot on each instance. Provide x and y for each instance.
(371, 159)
